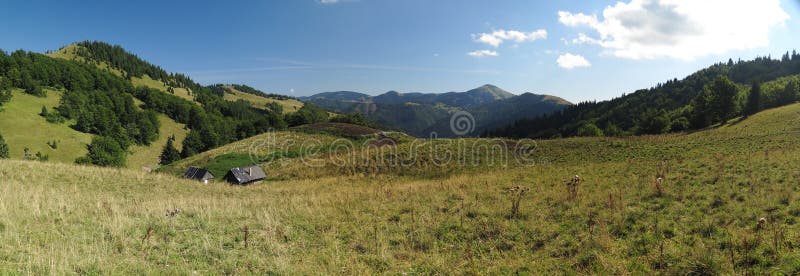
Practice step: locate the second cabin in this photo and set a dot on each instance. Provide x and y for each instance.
(245, 175)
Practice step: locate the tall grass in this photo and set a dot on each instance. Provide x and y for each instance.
(59, 219)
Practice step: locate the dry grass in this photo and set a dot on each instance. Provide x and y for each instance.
(61, 219)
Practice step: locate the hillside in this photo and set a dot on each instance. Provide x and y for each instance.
(420, 114)
(702, 217)
(112, 108)
(261, 100)
(676, 105)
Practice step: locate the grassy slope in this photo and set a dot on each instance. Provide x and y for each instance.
(717, 186)
(156, 84)
(290, 105)
(148, 156)
(22, 127)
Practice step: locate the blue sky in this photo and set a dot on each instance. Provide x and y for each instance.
(591, 50)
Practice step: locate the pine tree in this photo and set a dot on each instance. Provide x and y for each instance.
(169, 154)
(3, 148)
(753, 100)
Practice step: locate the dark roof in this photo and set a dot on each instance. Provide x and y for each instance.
(198, 174)
(245, 175)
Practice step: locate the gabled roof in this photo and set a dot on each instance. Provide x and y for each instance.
(198, 174)
(244, 175)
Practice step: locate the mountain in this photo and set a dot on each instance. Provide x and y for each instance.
(422, 113)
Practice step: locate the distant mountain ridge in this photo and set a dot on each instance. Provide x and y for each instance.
(421, 114)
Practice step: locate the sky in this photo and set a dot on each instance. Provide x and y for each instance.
(578, 50)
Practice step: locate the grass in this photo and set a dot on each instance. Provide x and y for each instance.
(705, 218)
(290, 105)
(148, 156)
(23, 127)
(220, 165)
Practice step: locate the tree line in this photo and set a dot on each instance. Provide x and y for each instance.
(712, 95)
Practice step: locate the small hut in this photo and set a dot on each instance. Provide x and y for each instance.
(198, 174)
(245, 175)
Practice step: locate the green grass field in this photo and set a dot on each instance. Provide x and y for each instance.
(703, 217)
(23, 127)
(290, 105)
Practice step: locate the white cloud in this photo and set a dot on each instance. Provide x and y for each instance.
(328, 1)
(569, 61)
(498, 37)
(682, 29)
(483, 53)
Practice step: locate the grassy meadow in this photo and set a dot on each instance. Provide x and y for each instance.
(719, 201)
(23, 127)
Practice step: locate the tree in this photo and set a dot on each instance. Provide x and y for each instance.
(612, 130)
(753, 100)
(169, 154)
(44, 112)
(3, 148)
(589, 130)
(654, 122)
(788, 94)
(724, 93)
(680, 124)
(5, 90)
(104, 151)
(701, 113)
(192, 144)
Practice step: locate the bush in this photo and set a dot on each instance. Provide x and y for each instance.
(589, 130)
(104, 151)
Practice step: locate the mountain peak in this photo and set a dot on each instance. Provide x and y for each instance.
(491, 91)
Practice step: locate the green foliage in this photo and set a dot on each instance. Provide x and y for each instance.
(169, 154)
(753, 100)
(724, 93)
(589, 130)
(789, 94)
(354, 119)
(5, 89)
(680, 124)
(654, 122)
(52, 117)
(192, 144)
(308, 114)
(4, 154)
(220, 165)
(679, 98)
(104, 151)
(613, 130)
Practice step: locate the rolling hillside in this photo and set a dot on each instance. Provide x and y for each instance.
(261, 101)
(720, 201)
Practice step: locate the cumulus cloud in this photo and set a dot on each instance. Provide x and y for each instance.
(483, 53)
(569, 61)
(498, 37)
(682, 29)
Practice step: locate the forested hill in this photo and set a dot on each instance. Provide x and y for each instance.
(115, 96)
(706, 97)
